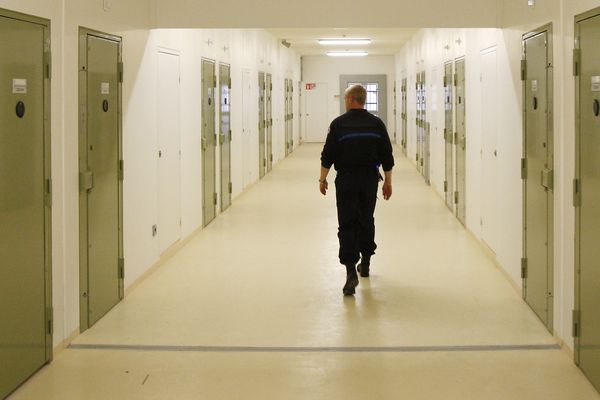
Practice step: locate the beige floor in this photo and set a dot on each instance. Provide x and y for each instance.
(265, 274)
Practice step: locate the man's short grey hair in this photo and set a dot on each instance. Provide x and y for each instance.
(358, 93)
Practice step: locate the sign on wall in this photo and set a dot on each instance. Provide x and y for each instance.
(311, 86)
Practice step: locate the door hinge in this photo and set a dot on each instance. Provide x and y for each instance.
(48, 192)
(576, 193)
(48, 64)
(445, 80)
(445, 186)
(215, 198)
(214, 81)
(86, 180)
(548, 179)
(229, 83)
(230, 188)
(455, 138)
(455, 197)
(576, 324)
(50, 320)
(455, 79)
(576, 62)
(523, 168)
(121, 268)
(120, 71)
(524, 268)
(121, 170)
(523, 70)
(271, 157)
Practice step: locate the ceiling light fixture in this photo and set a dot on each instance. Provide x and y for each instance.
(347, 53)
(335, 42)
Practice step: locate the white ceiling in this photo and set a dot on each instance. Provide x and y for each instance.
(385, 41)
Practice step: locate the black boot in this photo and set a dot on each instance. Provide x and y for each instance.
(351, 280)
(364, 266)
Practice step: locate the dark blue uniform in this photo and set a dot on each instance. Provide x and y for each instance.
(357, 144)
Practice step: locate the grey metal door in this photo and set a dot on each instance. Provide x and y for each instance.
(460, 139)
(225, 135)
(587, 195)
(25, 271)
(291, 114)
(395, 110)
(269, 120)
(101, 174)
(209, 142)
(537, 174)
(449, 136)
(262, 159)
(404, 115)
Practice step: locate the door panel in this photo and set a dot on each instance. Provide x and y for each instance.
(448, 135)
(269, 121)
(489, 150)
(404, 115)
(248, 123)
(101, 272)
(461, 142)
(588, 221)
(169, 145)
(225, 136)
(262, 136)
(316, 113)
(25, 341)
(538, 204)
(208, 142)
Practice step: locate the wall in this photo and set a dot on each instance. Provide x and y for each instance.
(244, 49)
(324, 69)
(428, 50)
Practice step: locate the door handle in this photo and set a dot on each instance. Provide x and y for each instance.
(548, 178)
(86, 180)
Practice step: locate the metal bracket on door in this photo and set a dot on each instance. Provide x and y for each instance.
(204, 144)
(86, 180)
(548, 179)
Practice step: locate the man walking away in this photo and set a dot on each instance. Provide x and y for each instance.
(357, 144)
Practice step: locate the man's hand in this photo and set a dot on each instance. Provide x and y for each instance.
(387, 190)
(323, 186)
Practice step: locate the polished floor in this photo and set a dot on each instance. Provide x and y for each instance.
(251, 308)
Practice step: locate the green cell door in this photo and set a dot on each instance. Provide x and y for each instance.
(286, 112)
(587, 194)
(262, 125)
(404, 115)
(269, 120)
(209, 143)
(291, 114)
(225, 135)
(448, 136)
(101, 175)
(25, 270)
(538, 160)
(460, 139)
(419, 122)
(395, 110)
(425, 152)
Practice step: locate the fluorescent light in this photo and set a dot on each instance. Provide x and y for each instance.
(344, 41)
(347, 53)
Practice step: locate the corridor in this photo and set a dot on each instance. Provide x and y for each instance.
(251, 308)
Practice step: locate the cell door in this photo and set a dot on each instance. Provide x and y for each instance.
(460, 138)
(101, 175)
(395, 110)
(209, 142)
(249, 155)
(404, 115)
(286, 113)
(538, 164)
(25, 243)
(449, 136)
(291, 115)
(262, 126)
(425, 129)
(269, 120)
(169, 151)
(587, 195)
(225, 134)
(418, 121)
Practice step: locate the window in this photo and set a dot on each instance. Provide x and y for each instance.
(372, 104)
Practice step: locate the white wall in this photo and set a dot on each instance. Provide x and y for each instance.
(324, 69)
(243, 49)
(429, 49)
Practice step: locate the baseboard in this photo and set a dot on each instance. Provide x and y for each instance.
(65, 343)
